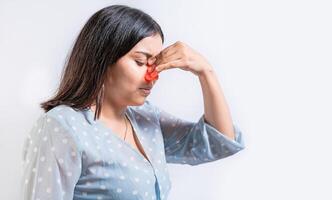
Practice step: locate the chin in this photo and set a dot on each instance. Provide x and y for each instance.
(138, 101)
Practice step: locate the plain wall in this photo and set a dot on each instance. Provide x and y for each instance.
(273, 60)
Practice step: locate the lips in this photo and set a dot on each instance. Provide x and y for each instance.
(145, 91)
(146, 88)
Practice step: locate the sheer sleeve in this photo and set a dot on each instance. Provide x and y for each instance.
(51, 162)
(195, 143)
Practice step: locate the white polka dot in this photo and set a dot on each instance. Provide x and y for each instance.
(45, 138)
(132, 158)
(136, 179)
(99, 197)
(26, 181)
(103, 187)
(42, 159)
(60, 160)
(124, 164)
(40, 179)
(65, 141)
(148, 181)
(69, 174)
(119, 145)
(48, 120)
(122, 177)
(52, 148)
(48, 190)
(135, 192)
(73, 118)
(49, 169)
(35, 149)
(118, 190)
(146, 193)
(56, 129)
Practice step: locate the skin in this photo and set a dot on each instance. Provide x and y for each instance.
(124, 79)
(126, 76)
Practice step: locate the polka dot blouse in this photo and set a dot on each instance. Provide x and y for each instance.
(67, 155)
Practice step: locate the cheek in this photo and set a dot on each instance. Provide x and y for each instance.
(134, 72)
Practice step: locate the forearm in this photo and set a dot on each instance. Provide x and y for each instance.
(216, 111)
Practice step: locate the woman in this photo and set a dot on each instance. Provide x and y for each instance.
(99, 137)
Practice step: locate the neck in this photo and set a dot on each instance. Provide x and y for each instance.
(111, 112)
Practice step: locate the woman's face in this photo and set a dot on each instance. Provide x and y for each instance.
(126, 76)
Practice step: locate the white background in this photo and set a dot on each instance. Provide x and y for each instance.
(273, 60)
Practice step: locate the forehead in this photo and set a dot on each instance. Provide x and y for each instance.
(151, 45)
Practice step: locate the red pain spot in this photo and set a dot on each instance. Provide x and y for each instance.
(151, 74)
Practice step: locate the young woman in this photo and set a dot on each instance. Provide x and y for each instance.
(99, 137)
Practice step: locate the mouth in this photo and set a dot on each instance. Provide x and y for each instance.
(146, 91)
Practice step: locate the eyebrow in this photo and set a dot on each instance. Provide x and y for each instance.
(148, 55)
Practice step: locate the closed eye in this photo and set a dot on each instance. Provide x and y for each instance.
(140, 63)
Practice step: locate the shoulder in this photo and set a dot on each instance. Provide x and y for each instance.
(60, 119)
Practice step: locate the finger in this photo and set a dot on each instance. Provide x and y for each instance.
(151, 60)
(170, 58)
(169, 65)
(165, 53)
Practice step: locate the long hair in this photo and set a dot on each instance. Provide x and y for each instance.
(108, 34)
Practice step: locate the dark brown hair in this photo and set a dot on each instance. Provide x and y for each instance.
(108, 35)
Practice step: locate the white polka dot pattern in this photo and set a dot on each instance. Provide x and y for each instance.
(68, 155)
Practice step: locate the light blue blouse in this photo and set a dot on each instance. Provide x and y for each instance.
(68, 155)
